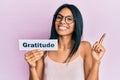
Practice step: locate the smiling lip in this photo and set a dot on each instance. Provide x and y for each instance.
(62, 28)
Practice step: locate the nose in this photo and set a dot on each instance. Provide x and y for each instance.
(63, 20)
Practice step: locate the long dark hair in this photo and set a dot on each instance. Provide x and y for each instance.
(77, 34)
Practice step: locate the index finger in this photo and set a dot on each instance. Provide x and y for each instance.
(102, 38)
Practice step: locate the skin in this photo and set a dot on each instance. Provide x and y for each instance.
(91, 54)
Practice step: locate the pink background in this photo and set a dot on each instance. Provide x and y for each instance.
(31, 19)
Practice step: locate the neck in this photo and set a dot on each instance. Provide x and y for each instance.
(65, 42)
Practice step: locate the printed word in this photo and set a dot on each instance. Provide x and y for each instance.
(46, 44)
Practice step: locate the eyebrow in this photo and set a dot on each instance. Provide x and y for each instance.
(65, 16)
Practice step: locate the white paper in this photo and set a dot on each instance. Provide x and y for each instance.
(42, 44)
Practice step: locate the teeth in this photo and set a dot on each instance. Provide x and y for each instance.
(62, 28)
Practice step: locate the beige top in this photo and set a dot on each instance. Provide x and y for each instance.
(73, 70)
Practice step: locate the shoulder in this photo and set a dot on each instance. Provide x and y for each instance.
(85, 48)
(85, 44)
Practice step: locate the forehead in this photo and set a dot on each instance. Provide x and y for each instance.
(65, 12)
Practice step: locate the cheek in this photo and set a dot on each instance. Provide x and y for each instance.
(73, 27)
(56, 25)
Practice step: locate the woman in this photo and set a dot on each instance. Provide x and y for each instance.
(74, 59)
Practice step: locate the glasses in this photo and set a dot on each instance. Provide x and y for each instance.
(67, 19)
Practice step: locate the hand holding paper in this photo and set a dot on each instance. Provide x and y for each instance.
(33, 56)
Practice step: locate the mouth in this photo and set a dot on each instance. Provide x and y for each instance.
(62, 28)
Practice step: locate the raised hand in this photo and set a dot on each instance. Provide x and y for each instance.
(33, 56)
(98, 50)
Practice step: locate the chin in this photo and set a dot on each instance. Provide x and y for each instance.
(64, 33)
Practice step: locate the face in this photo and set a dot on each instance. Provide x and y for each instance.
(64, 23)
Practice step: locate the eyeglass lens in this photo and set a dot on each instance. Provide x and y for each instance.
(68, 19)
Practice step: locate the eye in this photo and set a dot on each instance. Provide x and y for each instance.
(59, 17)
(69, 18)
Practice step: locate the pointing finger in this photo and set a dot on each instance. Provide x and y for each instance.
(102, 38)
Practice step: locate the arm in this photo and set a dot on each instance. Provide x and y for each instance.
(35, 61)
(91, 69)
(94, 72)
(36, 72)
(87, 58)
(33, 74)
(92, 59)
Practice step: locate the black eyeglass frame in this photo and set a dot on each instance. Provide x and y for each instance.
(58, 19)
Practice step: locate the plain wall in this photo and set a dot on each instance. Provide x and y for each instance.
(31, 19)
